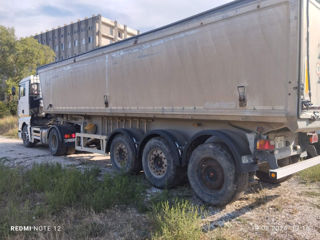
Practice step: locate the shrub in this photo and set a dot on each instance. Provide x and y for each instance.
(4, 111)
(9, 126)
(179, 221)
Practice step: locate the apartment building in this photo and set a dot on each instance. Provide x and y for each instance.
(84, 35)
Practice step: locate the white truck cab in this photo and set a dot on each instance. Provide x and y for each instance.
(29, 103)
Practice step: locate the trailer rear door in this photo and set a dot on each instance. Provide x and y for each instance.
(311, 57)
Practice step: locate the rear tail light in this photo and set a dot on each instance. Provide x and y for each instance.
(264, 144)
(68, 136)
(313, 138)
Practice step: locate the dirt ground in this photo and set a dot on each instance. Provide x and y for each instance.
(18, 155)
(290, 210)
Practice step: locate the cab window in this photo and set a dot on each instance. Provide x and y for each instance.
(34, 89)
(22, 90)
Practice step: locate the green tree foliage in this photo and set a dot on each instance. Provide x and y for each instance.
(7, 52)
(20, 58)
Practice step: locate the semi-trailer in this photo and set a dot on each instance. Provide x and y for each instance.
(219, 98)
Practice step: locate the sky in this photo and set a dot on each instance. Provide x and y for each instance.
(29, 17)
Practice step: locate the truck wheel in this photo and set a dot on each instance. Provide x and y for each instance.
(123, 155)
(56, 145)
(212, 175)
(159, 164)
(264, 175)
(25, 137)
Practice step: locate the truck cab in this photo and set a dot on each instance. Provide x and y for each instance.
(29, 105)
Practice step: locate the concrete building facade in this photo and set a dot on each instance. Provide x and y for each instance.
(84, 35)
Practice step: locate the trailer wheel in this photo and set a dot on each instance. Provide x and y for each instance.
(264, 175)
(159, 164)
(25, 137)
(212, 175)
(56, 145)
(123, 155)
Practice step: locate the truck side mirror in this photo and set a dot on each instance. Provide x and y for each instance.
(13, 91)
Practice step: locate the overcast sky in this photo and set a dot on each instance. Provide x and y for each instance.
(29, 17)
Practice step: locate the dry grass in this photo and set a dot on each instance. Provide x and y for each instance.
(113, 223)
(311, 174)
(9, 126)
(222, 233)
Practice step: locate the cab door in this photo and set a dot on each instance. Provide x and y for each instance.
(23, 105)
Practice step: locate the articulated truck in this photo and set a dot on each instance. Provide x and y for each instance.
(219, 99)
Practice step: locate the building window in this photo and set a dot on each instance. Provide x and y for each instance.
(69, 44)
(90, 39)
(68, 33)
(75, 42)
(120, 34)
(62, 46)
(62, 35)
(57, 48)
(84, 41)
(89, 28)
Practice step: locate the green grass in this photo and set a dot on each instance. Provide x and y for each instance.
(9, 126)
(311, 174)
(180, 221)
(46, 190)
(51, 193)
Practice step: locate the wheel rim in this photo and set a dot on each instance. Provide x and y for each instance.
(54, 141)
(211, 174)
(157, 163)
(121, 155)
(25, 135)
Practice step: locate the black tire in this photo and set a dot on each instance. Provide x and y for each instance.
(212, 175)
(159, 163)
(25, 137)
(56, 144)
(123, 155)
(264, 175)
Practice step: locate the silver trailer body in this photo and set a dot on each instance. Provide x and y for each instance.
(194, 68)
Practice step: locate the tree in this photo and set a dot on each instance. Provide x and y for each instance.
(7, 52)
(29, 55)
(20, 58)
